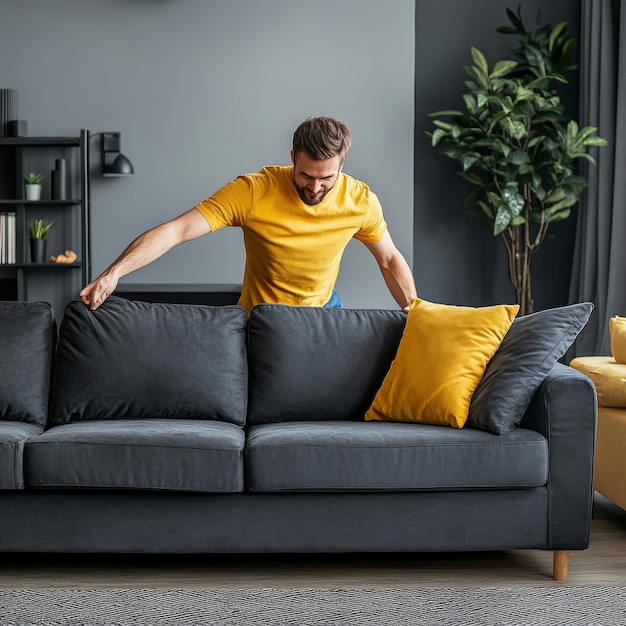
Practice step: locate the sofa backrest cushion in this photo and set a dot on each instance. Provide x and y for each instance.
(28, 333)
(141, 360)
(309, 363)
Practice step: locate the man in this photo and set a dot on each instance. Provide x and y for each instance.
(296, 220)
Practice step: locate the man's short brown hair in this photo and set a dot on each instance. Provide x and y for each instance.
(322, 138)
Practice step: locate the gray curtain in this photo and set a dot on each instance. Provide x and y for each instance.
(599, 266)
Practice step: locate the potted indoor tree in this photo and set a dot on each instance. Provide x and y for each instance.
(39, 230)
(32, 185)
(517, 146)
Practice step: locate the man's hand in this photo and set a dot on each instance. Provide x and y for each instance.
(98, 290)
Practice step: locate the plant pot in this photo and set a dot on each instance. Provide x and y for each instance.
(33, 192)
(38, 250)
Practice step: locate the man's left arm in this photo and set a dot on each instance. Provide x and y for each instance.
(395, 270)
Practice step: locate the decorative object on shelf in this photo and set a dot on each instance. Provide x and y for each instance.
(114, 163)
(39, 230)
(58, 178)
(7, 238)
(32, 185)
(8, 110)
(517, 146)
(17, 128)
(69, 256)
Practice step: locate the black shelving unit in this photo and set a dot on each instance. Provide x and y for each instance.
(50, 282)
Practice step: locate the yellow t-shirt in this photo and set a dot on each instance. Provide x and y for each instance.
(293, 250)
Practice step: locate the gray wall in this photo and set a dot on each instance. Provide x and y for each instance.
(458, 261)
(203, 90)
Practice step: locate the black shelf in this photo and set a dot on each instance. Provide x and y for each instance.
(53, 266)
(40, 142)
(57, 283)
(43, 201)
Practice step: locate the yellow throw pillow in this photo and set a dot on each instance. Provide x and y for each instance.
(617, 330)
(441, 358)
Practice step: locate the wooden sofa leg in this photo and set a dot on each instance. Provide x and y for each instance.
(560, 564)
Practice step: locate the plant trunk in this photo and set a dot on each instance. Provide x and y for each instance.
(515, 240)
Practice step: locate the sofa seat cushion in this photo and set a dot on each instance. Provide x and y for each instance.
(180, 455)
(13, 437)
(352, 456)
(143, 360)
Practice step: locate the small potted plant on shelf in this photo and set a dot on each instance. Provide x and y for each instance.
(32, 185)
(39, 230)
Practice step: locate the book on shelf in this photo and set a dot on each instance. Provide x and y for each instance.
(7, 238)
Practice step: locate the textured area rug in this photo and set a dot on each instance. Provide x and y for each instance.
(555, 606)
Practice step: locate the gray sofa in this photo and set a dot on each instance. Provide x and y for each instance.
(156, 428)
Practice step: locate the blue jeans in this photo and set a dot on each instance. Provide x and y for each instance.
(334, 302)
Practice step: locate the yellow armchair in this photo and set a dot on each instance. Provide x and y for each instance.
(609, 378)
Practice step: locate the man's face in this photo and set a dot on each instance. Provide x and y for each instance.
(314, 179)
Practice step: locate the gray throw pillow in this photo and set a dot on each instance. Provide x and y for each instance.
(528, 352)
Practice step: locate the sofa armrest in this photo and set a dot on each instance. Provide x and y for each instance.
(565, 411)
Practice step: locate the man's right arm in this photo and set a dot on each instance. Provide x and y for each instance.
(145, 249)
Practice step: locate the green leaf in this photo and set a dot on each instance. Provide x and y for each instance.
(513, 200)
(516, 129)
(523, 94)
(471, 103)
(595, 142)
(487, 209)
(517, 157)
(502, 68)
(555, 195)
(472, 178)
(469, 160)
(501, 220)
(516, 20)
(445, 113)
(507, 30)
(568, 47)
(561, 215)
(585, 132)
(480, 61)
(437, 136)
(589, 158)
(554, 35)
(563, 204)
(481, 100)
(572, 129)
(535, 59)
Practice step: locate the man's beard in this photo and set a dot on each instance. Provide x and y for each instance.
(308, 198)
